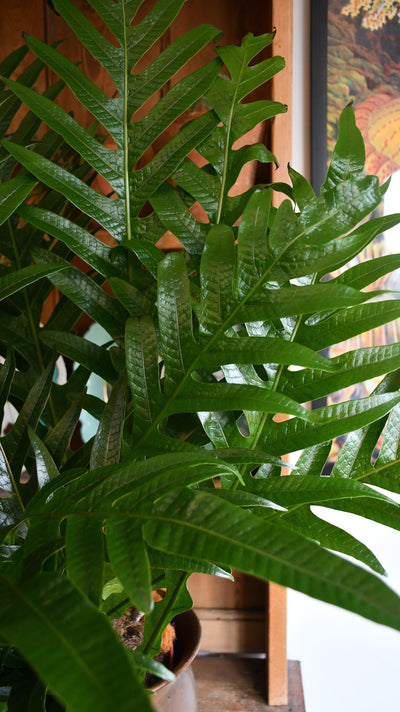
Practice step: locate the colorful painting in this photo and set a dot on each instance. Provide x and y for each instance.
(363, 47)
(359, 52)
(363, 67)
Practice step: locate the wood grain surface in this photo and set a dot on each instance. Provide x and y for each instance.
(237, 684)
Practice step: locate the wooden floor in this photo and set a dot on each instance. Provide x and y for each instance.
(237, 684)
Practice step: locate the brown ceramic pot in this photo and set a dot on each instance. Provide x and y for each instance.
(179, 695)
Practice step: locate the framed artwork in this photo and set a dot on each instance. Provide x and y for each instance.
(355, 57)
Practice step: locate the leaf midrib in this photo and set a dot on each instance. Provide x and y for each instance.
(56, 631)
(226, 540)
(259, 551)
(227, 140)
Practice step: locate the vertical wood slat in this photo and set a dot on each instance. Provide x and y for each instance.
(281, 135)
(281, 130)
(277, 683)
(16, 18)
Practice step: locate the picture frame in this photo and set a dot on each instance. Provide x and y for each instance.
(355, 57)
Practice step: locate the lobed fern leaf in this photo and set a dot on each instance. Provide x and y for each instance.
(206, 348)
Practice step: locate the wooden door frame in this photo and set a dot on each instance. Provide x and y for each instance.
(281, 144)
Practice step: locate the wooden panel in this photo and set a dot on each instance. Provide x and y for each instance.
(15, 19)
(232, 630)
(19, 17)
(281, 131)
(234, 18)
(281, 139)
(237, 684)
(216, 592)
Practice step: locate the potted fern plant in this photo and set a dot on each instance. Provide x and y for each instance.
(206, 345)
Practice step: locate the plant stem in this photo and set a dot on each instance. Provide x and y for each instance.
(121, 603)
(162, 621)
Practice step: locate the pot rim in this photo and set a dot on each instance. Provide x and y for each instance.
(188, 632)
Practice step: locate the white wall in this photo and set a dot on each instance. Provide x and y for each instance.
(348, 663)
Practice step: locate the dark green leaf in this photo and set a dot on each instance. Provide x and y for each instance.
(291, 301)
(16, 442)
(46, 468)
(268, 551)
(162, 560)
(217, 269)
(169, 107)
(302, 189)
(254, 350)
(12, 194)
(303, 521)
(134, 301)
(294, 490)
(84, 292)
(144, 182)
(104, 160)
(109, 56)
(344, 324)
(128, 555)
(94, 252)
(95, 358)
(69, 652)
(13, 282)
(84, 543)
(151, 78)
(197, 396)
(349, 154)
(109, 213)
(107, 441)
(365, 273)
(333, 421)
(253, 255)
(142, 369)
(350, 368)
(58, 439)
(175, 316)
(108, 111)
(177, 218)
(6, 378)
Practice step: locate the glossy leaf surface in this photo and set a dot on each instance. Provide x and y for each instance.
(197, 363)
